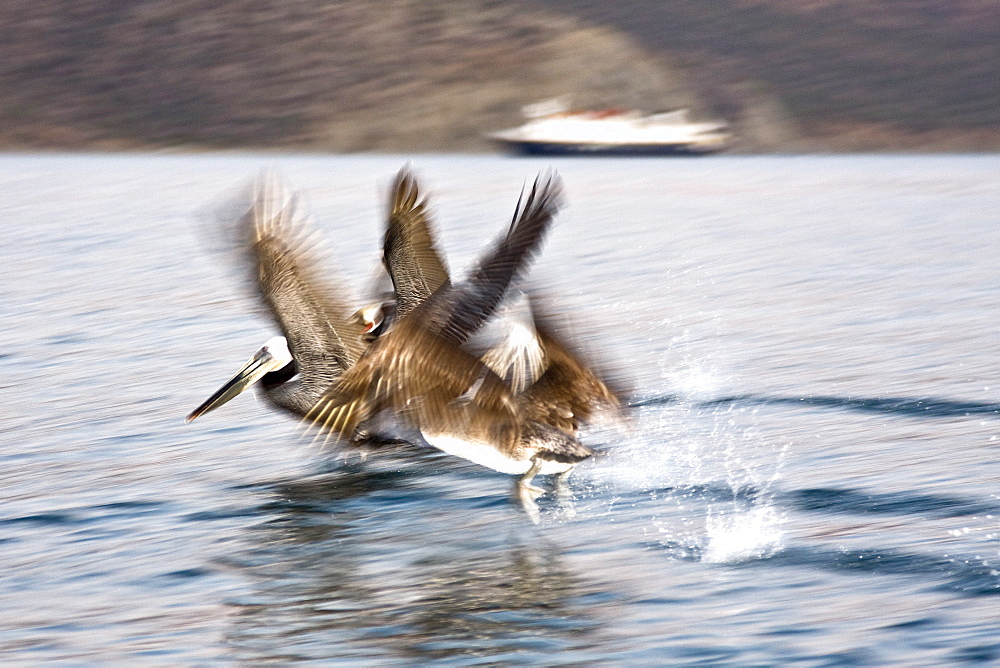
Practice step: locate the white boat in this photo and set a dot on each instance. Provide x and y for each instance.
(552, 130)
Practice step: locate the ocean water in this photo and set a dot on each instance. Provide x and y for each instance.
(809, 472)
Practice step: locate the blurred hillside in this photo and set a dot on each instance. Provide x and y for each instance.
(854, 74)
(417, 75)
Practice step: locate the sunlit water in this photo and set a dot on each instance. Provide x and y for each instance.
(810, 473)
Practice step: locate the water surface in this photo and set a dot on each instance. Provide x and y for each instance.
(810, 473)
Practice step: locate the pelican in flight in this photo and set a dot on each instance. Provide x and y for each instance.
(551, 385)
(319, 343)
(318, 340)
(517, 410)
(323, 367)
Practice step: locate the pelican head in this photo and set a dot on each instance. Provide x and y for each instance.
(374, 319)
(371, 317)
(274, 355)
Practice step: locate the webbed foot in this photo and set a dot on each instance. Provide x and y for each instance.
(560, 486)
(526, 493)
(524, 496)
(529, 491)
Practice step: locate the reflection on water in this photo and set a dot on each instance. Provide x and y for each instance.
(808, 474)
(320, 573)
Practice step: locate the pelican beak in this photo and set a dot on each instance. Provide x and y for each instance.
(371, 318)
(263, 362)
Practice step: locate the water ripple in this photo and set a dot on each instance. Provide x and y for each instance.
(894, 503)
(966, 578)
(915, 407)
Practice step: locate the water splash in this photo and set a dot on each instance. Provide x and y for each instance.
(702, 473)
(742, 536)
(695, 382)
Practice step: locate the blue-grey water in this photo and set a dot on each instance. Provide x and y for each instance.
(810, 472)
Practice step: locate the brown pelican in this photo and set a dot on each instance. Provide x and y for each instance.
(553, 386)
(319, 343)
(458, 402)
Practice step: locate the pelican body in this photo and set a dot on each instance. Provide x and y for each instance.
(340, 372)
(517, 410)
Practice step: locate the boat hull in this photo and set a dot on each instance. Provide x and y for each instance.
(549, 148)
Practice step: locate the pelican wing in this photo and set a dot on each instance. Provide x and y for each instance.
(456, 312)
(517, 356)
(312, 315)
(428, 381)
(408, 249)
(569, 392)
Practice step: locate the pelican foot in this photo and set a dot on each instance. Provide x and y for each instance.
(524, 496)
(529, 491)
(526, 493)
(560, 486)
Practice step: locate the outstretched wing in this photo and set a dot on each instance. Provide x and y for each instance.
(408, 248)
(456, 312)
(286, 253)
